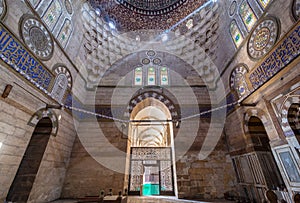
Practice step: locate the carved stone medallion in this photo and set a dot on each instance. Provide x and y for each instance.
(263, 38)
(36, 37)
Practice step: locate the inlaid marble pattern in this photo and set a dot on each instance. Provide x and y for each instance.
(263, 38)
(296, 9)
(36, 37)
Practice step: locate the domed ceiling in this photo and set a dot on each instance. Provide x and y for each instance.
(131, 15)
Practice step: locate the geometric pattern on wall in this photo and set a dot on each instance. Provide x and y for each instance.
(36, 37)
(3, 9)
(68, 6)
(263, 38)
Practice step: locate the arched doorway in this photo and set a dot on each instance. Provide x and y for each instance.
(150, 165)
(263, 173)
(22, 184)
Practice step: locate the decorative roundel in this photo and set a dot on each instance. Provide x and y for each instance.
(36, 37)
(68, 6)
(263, 38)
(145, 61)
(232, 8)
(2, 9)
(151, 53)
(156, 61)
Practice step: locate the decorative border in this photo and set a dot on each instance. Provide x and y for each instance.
(282, 55)
(13, 53)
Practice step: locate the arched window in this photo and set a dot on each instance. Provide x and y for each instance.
(164, 78)
(60, 86)
(52, 14)
(151, 77)
(247, 15)
(65, 33)
(264, 3)
(138, 76)
(236, 34)
(63, 81)
(154, 76)
(238, 82)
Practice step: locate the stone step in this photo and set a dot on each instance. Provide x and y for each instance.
(164, 199)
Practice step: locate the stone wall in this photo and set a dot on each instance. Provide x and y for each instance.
(16, 111)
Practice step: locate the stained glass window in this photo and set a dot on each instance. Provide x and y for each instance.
(264, 3)
(60, 86)
(238, 82)
(236, 34)
(247, 15)
(164, 79)
(52, 14)
(65, 33)
(151, 76)
(138, 76)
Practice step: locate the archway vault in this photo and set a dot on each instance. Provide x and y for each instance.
(151, 165)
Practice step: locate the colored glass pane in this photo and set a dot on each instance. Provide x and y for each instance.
(138, 76)
(247, 15)
(52, 14)
(151, 76)
(264, 3)
(236, 34)
(164, 79)
(65, 33)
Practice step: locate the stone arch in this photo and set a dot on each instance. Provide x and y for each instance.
(287, 130)
(174, 110)
(43, 113)
(256, 112)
